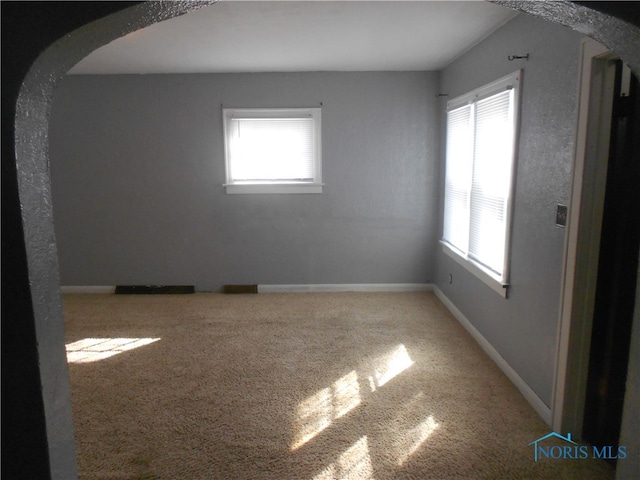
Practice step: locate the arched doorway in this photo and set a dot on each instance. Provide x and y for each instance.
(41, 307)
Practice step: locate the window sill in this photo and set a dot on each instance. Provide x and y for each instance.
(278, 188)
(479, 272)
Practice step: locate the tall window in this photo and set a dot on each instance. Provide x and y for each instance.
(273, 150)
(480, 160)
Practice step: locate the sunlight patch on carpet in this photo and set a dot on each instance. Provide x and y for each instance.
(93, 349)
(390, 366)
(318, 411)
(346, 394)
(408, 436)
(353, 464)
(414, 437)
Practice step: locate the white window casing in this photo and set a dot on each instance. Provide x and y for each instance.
(481, 147)
(273, 150)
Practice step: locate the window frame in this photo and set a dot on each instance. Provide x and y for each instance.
(498, 283)
(268, 186)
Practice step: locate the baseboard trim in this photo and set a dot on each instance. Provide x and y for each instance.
(347, 287)
(293, 288)
(87, 289)
(534, 400)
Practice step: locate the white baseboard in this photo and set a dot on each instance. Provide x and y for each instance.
(87, 289)
(342, 287)
(534, 400)
(330, 287)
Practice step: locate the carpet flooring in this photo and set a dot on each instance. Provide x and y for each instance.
(310, 386)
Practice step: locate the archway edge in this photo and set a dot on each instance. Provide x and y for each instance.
(34, 189)
(620, 36)
(32, 113)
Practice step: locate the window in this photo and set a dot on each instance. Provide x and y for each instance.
(273, 150)
(480, 158)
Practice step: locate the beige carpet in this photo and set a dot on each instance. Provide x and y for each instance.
(329, 386)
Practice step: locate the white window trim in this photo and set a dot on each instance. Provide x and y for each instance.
(497, 283)
(485, 275)
(267, 187)
(273, 188)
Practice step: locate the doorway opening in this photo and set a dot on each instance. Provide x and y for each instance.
(601, 249)
(617, 266)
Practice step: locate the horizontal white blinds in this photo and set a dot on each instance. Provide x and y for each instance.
(479, 168)
(490, 185)
(458, 177)
(271, 150)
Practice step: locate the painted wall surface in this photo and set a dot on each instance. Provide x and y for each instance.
(137, 167)
(523, 328)
(35, 27)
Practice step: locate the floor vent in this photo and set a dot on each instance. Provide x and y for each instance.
(154, 289)
(240, 289)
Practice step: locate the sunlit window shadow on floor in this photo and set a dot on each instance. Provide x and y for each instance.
(406, 440)
(389, 366)
(317, 412)
(353, 464)
(94, 349)
(413, 438)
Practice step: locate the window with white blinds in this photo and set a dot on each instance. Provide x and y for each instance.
(273, 150)
(480, 158)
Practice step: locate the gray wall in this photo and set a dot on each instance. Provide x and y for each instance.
(44, 312)
(523, 328)
(137, 166)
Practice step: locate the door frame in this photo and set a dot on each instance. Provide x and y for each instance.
(582, 240)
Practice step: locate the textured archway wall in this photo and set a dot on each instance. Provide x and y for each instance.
(27, 30)
(621, 36)
(33, 302)
(34, 308)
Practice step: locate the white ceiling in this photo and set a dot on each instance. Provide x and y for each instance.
(270, 36)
